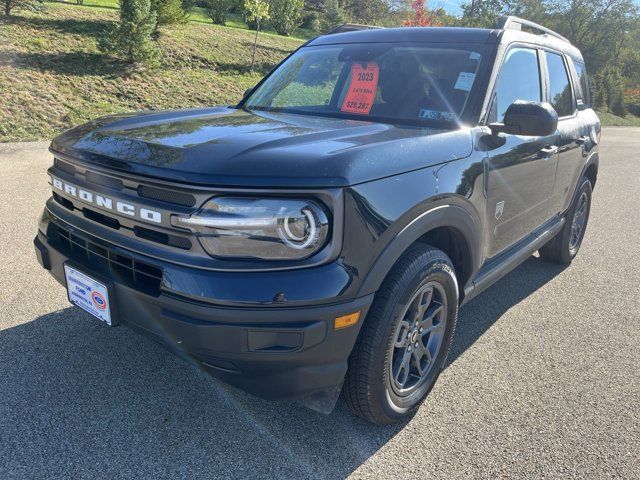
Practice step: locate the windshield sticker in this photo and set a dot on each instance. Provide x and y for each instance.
(474, 56)
(362, 89)
(436, 115)
(465, 81)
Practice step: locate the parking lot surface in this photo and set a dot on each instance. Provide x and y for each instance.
(542, 381)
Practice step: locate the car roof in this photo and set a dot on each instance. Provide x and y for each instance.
(412, 34)
(447, 35)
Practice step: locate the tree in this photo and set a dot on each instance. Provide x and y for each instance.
(10, 5)
(614, 85)
(607, 32)
(217, 10)
(421, 16)
(374, 12)
(333, 15)
(257, 11)
(286, 15)
(599, 97)
(599, 28)
(131, 38)
(168, 12)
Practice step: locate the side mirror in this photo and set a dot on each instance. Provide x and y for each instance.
(531, 119)
(247, 92)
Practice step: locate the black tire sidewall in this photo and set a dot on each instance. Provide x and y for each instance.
(435, 270)
(558, 249)
(567, 255)
(585, 187)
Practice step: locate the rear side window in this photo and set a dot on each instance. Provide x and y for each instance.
(560, 88)
(519, 79)
(584, 82)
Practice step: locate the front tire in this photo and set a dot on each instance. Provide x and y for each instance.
(565, 245)
(405, 339)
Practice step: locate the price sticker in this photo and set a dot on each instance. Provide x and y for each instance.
(362, 89)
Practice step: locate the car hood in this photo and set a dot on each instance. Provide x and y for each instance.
(231, 147)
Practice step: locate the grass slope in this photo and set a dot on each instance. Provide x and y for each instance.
(611, 120)
(53, 77)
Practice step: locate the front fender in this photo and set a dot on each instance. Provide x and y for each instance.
(444, 214)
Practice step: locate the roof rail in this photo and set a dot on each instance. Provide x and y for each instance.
(350, 27)
(515, 23)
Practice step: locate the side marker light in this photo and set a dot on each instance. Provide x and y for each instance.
(346, 320)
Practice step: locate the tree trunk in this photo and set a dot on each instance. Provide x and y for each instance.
(7, 7)
(255, 44)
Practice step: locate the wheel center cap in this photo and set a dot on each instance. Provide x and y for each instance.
(414, 336)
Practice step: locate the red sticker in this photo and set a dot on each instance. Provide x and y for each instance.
(362, 89)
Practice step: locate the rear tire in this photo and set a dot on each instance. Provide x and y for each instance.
(405, 339)
(565, 245)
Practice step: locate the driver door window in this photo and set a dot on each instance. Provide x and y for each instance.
(520, 179)
(519, 79)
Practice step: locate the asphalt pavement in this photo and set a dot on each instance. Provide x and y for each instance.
(542, 381)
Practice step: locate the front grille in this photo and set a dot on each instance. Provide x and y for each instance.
(68, 204)
(160, 237)
(169, 196)
(64, 166)
(165, 200)
(148, 234)
(102, 259)
(103, 180)
(100, 218)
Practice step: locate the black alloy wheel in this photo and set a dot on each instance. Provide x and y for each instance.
(419, 337)
(578, 223)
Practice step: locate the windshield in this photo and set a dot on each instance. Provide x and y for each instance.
(382, 82)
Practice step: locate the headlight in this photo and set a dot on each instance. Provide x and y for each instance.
(264, 228)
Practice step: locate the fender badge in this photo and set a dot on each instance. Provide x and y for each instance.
(499, 209)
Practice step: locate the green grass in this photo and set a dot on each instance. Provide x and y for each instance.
(52, 75)
(611, 120)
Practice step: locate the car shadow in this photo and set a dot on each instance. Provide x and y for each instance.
(78, 399)
(483, 311)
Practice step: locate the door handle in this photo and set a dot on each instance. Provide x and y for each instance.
(583, 140)
(547, 151)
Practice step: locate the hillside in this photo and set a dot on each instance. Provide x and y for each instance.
(53, 77)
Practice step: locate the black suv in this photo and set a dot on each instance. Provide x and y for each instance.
(318, 238)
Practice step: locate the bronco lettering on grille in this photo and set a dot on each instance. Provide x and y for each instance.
(107, 203)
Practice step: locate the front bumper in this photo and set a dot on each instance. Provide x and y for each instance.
(271, 351)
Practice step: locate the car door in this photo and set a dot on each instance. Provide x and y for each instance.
(520, 172)
(573, 131)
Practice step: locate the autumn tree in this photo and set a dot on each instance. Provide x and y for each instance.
(421, 16)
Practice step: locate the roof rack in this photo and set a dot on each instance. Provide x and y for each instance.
(516, 23)
(351, 27)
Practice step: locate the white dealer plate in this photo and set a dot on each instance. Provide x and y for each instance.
(88, 294)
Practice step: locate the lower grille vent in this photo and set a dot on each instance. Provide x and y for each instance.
(102, 259)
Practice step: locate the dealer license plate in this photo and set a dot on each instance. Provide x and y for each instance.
(88, 294)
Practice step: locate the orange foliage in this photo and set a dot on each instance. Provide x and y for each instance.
(422, 16)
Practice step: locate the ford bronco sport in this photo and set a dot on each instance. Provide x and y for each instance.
(318, 238)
